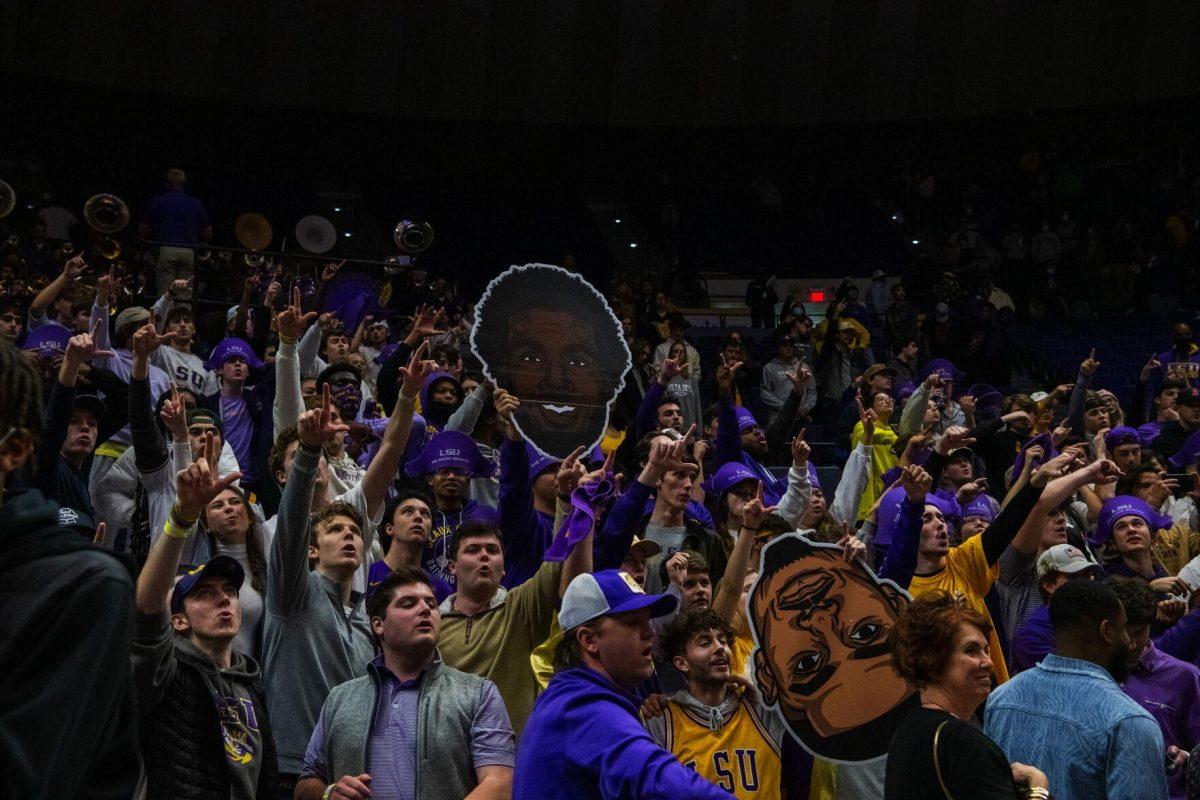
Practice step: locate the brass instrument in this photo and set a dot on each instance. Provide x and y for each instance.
(412, 237)
(67, 249)
(106, 213)
(8, 199)
(109, 249)
(253, 231)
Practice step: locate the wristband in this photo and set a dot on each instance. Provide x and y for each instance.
(312, 451)
(176, 527)
(328, 791)
(286, 339)
(406, 398)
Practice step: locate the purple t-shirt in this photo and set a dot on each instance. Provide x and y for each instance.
(1170, 690)
(238, 430)
(1033, 641)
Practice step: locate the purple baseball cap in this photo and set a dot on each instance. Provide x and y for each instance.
(232, 347)
(451, 449)
(728, 476)
(607, 592)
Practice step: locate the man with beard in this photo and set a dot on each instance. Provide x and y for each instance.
(717, 731)
(448, 462)
(822, 624)
(1069, 715)
(550, 339)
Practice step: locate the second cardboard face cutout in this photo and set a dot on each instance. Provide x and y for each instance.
(548, 337)
(822, 627)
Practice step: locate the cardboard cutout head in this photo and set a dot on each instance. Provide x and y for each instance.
(823, 660)
(549, 338)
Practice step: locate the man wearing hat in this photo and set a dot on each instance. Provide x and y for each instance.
(778, 383)
(842, 358)
(447, 463)
(120, 363)
(941, 375)
(1175, 433)
(876, 379)
(72, 425)
(584, 739)
(1055, 567)
(1123, 447)
(204, 723)
(245, 411)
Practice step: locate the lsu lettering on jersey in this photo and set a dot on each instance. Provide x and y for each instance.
(742, 757)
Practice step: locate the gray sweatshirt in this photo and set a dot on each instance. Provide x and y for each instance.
(310, 644)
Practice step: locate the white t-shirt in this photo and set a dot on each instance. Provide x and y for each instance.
(249, 638)
(186, 369)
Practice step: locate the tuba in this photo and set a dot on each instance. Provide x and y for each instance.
(412, 237)
(109, 248)
(106, 213)
(8, 199)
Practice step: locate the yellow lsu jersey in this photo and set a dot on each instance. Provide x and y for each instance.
(741, 758)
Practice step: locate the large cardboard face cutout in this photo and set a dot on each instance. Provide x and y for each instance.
(821, 626)
(548, 337)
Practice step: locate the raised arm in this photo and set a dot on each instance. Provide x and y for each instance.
(795, 500)
(912, 418)
(1079, 394)
(1059, 482)
(382, 468)
(287, 563)
(647, 413)
(387, 385)
(901, 560)
(466, 415)
(729, 591)
(289, 398)
(71, 270)
(195, 488)
(149, 449)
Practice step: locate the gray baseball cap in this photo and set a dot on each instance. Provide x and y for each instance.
(1067, 559)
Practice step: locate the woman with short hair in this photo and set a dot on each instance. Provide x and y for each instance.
(940, 646)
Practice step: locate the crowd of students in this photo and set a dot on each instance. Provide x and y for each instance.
(314, 560)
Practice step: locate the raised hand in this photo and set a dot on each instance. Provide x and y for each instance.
(417, 371)
(328, 321)
(317, 426)
(1152, 366)
(426, 319)
(800, 451)
(933, 381)
(677, 567)
(291, 322)
(74, 268)
(1060, 465)
(700, 449)
(106, 284)
(174, 416)
(570, 472)
(867, 416)
(1060, 433)
(196, 486)
(601, 472)
(330, 270)
(1089, 365)
(852, 548)
(147, 339)
(800, 378)
(968, 492)
(954, 438)
(1099, 444)
(916, 483)
(755, 511)
(1170, 414)
(670, 368)
(506, 404)
(180, 286)
(82, 348)
(725, 374)
(967, 404)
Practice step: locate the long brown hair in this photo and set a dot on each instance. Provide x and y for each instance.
(254, 544)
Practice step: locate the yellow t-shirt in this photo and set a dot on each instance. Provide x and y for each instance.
(741, 758)
(882, 459)
(967, 576)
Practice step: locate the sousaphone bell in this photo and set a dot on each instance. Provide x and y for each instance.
(8, 199)
(412, 237)
(106, 213)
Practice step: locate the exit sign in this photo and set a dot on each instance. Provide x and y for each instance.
(816, 295)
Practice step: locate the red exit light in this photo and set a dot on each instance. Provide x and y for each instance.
(816, 295)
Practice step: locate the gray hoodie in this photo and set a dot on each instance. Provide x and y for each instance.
(717, 716)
